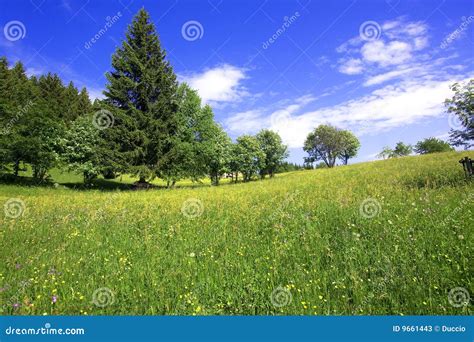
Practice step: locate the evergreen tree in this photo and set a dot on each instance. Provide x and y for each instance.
(141, 94)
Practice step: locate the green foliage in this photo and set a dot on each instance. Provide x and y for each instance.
(141, 94)
(288, 167)
(218, 154)
(327, 143)
(432, 145)
(350, 146)
(274, 150)
(302, 231)
(386, 153)
(248, 156)
(401, 149)
(462, 106)
(79, 148)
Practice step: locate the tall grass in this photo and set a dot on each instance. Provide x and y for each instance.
(385, 237)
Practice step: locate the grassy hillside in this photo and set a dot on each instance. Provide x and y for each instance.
(385, 237)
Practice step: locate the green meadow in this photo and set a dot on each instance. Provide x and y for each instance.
(385, 237)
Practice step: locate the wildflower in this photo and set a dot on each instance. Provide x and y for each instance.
(54, 299)
(192, 255)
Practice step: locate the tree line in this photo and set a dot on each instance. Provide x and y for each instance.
(148, 125)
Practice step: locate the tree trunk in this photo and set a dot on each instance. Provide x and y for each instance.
(16, 168)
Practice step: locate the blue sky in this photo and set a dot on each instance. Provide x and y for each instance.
(379, 68)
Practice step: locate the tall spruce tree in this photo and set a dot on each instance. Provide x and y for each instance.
(140, 93)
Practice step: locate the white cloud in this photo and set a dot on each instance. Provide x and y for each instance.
(398, 45)
(380, 78)
(218, 84)
(351, 67)
(246, 122)
(378, 52)
(383, 109)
